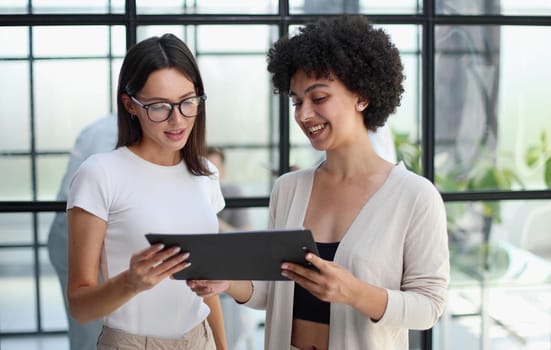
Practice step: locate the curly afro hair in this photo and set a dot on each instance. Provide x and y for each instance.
(350, 48)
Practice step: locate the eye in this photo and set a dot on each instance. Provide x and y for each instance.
(193, 101)
(159, 107)
(318, 100)
(296, 103)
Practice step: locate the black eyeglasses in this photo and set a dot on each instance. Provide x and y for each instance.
(158, 112)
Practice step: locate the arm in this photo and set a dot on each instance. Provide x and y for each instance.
(88, 300)
(216, 322)
(337, 285)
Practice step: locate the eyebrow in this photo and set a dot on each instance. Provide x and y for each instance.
(163, 99)
(309, 88)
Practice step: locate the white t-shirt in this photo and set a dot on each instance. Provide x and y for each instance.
(137, 197)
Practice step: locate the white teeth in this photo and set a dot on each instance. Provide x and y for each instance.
(315, 129)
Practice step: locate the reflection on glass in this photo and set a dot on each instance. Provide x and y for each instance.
(491, 100)
(500, 291)
(17, 298)
(494, 7)
(206, 6)
(354, 6)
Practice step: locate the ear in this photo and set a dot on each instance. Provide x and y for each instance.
(128, 104)
(361, 104)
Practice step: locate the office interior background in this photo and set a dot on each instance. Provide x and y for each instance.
(475, 119)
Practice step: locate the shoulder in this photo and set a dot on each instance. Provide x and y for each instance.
(293, 177)
(416, 186)
(100, 160)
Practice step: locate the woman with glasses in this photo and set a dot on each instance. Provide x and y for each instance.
(156, 180)
(380, 229)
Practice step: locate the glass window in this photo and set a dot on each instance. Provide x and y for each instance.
(51, 298)
(18, 45)
(206, 6)
(16, 178)
(15, 228)
(50, 170)
(78, 95)
(500, 255)
(13, 7)
(14, 106)
(494, 7)
(17, 295)
(44, 222)
(96, 43)
(77, 7)
(226, 39)
(354, 6)
(491, 103)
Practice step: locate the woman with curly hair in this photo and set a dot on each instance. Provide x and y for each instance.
(383, 266)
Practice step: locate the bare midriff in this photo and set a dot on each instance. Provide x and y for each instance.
(308, 335)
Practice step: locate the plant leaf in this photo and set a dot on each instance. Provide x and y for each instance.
(547, 173)
(532, 155)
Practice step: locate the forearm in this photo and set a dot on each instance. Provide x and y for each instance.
(216, 322)
(241, 291)
(369, 300)
(94, 302)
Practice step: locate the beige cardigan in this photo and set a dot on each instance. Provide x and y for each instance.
(398, 241)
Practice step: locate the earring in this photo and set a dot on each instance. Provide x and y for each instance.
(132, 116)
(360, 107)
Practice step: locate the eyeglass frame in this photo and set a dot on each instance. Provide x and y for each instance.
(202, 99)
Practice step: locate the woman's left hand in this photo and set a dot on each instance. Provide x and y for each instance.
(332, 283)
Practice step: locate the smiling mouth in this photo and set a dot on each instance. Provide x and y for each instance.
(175, 132)
(316, 129)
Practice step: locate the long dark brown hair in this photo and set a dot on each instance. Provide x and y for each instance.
(141, 60)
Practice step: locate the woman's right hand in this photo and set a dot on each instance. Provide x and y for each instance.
(207, 288)
(152, 265)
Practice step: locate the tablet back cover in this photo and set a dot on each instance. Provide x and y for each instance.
(251, 255)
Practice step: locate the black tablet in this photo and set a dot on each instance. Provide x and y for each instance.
(250, 255)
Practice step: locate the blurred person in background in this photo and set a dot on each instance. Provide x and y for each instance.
(100, 136)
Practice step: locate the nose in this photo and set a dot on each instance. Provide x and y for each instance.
(175, 114)
(304, 112)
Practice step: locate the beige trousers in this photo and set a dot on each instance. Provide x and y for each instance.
(199, 338)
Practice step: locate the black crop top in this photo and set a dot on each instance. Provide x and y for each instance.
(305, 305)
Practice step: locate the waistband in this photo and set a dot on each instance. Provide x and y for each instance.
(114, 337)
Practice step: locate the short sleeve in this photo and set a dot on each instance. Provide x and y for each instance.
(89, 189)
